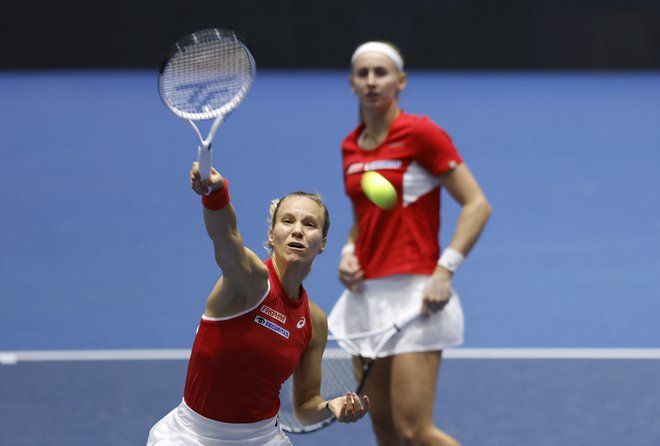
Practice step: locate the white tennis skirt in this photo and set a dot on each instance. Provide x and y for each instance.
(185, 427)
(384, 301)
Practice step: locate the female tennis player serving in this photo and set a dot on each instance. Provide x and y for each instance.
(259, 327)
(391, 266)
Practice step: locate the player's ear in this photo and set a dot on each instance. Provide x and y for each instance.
(403, 81)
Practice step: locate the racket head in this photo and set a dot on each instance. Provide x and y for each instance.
(206, 74)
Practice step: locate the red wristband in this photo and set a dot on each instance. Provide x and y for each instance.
(217, 200)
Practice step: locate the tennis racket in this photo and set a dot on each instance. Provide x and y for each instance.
(206, 76)
(342, 369)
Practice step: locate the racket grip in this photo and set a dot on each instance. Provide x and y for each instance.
(204, 159)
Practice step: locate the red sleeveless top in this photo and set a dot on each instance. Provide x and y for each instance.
(238, 364)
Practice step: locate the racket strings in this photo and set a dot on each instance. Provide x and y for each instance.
(207, 78)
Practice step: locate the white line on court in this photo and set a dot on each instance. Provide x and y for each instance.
(553, 353)
(13, 357)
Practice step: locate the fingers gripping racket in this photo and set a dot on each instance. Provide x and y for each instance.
(206, 76)
(342, 369)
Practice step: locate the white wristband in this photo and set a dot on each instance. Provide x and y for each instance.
(349, 248)
(451, 259)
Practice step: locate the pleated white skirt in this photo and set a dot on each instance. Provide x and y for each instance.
(382, 302)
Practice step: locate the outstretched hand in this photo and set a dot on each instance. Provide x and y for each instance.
(213, 183)
(349, 408)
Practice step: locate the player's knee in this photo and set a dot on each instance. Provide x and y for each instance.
(449, 441)
(384, 432)
(424, 435)
(410, 435)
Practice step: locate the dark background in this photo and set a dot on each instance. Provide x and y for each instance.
(433, 34)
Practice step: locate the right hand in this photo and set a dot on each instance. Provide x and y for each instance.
(350, 272)
(214, 182)
(437, 292)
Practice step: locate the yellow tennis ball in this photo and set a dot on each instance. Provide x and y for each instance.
(379, 190)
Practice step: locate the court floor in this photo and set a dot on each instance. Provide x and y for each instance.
(482, 402)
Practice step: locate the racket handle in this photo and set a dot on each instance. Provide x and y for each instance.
(204, 159)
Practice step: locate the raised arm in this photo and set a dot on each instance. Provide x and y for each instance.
(309, 406)
(244, 276)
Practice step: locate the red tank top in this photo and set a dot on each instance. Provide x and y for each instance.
(238, 364)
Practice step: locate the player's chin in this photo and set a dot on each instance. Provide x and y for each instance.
(298, 255)
(371, 101)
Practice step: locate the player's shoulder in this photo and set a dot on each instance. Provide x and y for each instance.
(425, 130)
(316, 313)
(318, 316)
(418, 121)
(319, 324)
(351, 140)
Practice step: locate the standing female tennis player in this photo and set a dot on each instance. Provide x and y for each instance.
(391, 266)
(258, 328)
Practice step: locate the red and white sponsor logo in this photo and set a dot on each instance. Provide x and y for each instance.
(374, 165)
(272, 313)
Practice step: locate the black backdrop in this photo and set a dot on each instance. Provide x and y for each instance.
(448, 34)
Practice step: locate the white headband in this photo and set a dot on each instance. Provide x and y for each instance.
(379, 47)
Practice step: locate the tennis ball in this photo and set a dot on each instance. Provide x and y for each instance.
(379, 190)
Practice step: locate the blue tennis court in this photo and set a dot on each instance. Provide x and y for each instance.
(102, 247)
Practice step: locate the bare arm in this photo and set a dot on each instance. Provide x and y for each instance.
(309, 406)
(475, 211)
(245, 277)
(350, 271)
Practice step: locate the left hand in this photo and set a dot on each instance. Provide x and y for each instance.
(437, 292)
(349, 408)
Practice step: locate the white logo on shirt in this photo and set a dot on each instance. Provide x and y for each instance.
(374, 165)
(271, 326)
(383, 164)
(301, 323)
(272, 313)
